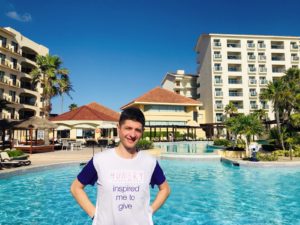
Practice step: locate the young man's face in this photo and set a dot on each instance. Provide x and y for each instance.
(130, 132)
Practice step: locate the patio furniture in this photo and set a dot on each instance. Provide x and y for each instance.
(5, 158)
(65, 144)
(77, 145)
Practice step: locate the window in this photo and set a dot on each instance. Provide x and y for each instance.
(14, 79)
(12, 94)
(2, 74)
(15, 46)
(3, 41)
(219, 117)
(164, 108)
(85, 133)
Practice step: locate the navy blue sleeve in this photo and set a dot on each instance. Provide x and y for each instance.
(88, 174)
(158, 176)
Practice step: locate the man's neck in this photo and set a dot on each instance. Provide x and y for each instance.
(126, 153)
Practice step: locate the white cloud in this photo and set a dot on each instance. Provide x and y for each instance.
(26, 17)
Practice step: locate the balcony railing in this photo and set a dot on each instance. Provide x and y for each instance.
(234, 81)
(218, 81)
(251, 57)
(278, 70)
(265, 106)
(253, 106)
(234, 69)
(233, 45)
(217, 44)
(262, 58)
(234, 57)
(263, 82)
(253, 94)
(219, 106)
(217, 68)
(217, 56)
(277, 58)
(219, 93)
(252, 82)
(261, 45)
(276, 46)
(294, 47)
(235, 94)
(295, 58)
(251, 45)
(252, 69)
(262, 69)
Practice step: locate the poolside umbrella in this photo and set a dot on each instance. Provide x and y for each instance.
(35, 123)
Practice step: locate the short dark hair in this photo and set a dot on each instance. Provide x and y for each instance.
(134, 114)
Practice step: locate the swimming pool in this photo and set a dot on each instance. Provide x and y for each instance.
(202, 193)
(186, 147)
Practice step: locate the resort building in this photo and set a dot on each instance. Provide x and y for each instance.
(17, 60)
(236, 68)
(88, 122)
(181, 83)
(165, 109)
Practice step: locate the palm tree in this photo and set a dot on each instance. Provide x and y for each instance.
(48, 73)
(73, 106)
(64, 87)
(248, 125)
(275, 92)
(230, 109)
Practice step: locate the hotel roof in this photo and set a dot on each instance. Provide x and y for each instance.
(161, 96)
(92, 111)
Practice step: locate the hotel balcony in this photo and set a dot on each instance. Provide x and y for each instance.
(253, 107)
(217, 44)
(219, 107)
(294, 47)
(278, 69)
(262, 58)
(234, 81)
(262, 69)
(217, 69)
(277, 45)
(251, 57)
(251, 69)
(233, 44)
(261, 46)
(217, 57)
(218, 93)
(295, 58)
(263, 82)
(218, 81)
(265, 106)
(235, 94)
(250, 45)
(252, 82)
(234, 68)
(234, 56)
(253, 94)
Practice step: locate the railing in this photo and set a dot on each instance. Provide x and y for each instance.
(218, 81)
(253, 94)
(263, 82)
(252, 69)
(217, 56)
(233, 45)
(254, 106)
(217, 68)
(251, 57)
(217, 44)
(219, 106)
(252, 81)
(295, 58)
(276, 58)
(262, 69)
(235, 94)
(278, 70)
(261, 45)
(262, 57)
(274, 46)
(234, 57)
(232, 81)
(234, 69)
(294, 46)
(219, 93)
(251, 45)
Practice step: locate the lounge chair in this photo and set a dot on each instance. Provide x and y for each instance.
(9, 164)
(5, 159)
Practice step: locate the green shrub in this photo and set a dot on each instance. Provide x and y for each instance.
(15, 153)
(221, 142)
(240, 143)
(267, 156)
(144, 144)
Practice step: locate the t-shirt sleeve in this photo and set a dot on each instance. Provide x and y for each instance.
(88, 174)
(158, 176)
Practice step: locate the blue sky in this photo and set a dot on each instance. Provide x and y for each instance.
(117, 50)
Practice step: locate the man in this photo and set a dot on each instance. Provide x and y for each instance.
(123, 175)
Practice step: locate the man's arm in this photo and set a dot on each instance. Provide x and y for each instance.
(162, 195)
(77, 190)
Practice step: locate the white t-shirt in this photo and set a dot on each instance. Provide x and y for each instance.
(123, 196)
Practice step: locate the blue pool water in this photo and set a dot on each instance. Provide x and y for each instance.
(202, 193)
(186, 147)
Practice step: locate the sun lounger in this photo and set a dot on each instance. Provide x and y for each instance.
(5, 159)
(9, 164)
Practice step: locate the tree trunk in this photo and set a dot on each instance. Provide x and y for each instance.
(279, 128)
(291, 152)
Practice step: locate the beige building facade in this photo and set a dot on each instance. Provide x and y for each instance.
(181, 83)
(17, 60)
(236, 68)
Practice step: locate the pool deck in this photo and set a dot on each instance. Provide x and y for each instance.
(39, 160)
(283, 162)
